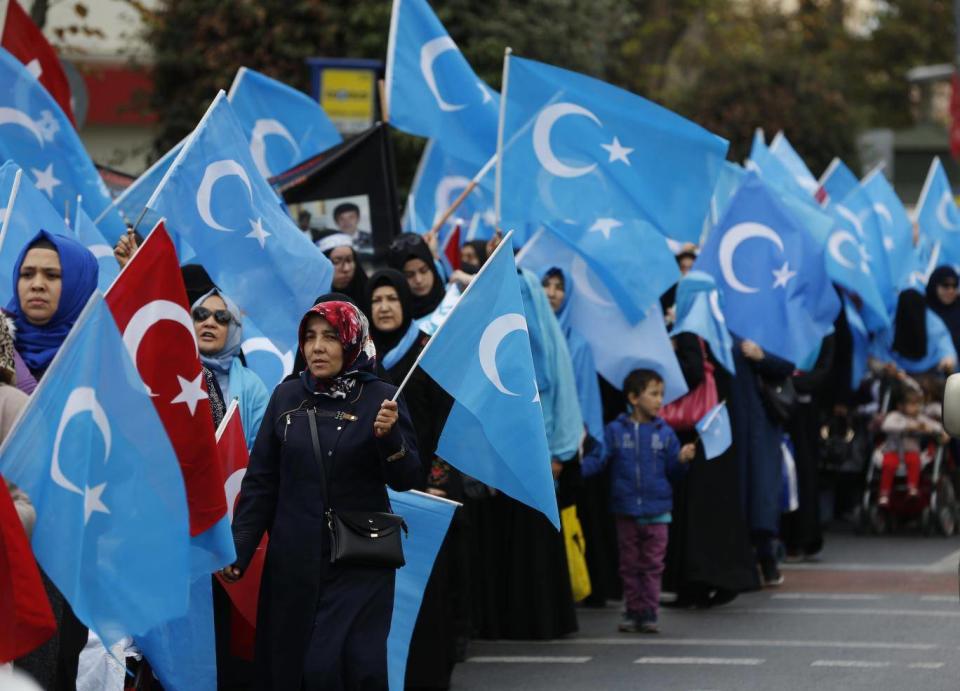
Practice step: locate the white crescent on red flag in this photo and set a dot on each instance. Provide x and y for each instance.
(149, 303)
(232, 451)
(25, 41)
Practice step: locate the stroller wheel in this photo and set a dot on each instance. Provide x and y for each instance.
(947, 520)
(946, 507)
(927, 524)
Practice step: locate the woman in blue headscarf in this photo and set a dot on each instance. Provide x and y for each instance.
(217, 321)
(52, 280)
(919, 341)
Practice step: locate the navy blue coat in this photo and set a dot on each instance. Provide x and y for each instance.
(321, 626)
(644, 460)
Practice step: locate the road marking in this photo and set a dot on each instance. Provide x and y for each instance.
(925, 665)
(939, 598)
(727, 643)
(821, 611)
(732, 661)
(827, 596)
(857, 664)
(529, 659)
(948, 563)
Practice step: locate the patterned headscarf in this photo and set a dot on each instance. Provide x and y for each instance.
(8, 366)
(359, 353)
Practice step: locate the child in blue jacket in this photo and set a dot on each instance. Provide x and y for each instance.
(645, 456)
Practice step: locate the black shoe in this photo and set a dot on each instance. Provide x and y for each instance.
(770, 574)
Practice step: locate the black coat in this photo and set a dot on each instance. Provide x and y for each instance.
(319, 625)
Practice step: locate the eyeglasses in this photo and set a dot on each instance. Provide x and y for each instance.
(201, 314)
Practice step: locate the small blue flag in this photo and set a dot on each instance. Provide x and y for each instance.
(428, 519)
(578, 149)
(214, 199)
(87, 233)
(861, 344)
(937, 213)
(35, 133)
(699, 311)
(440, 177)
(619, 347)
(481, 357)
(837, 181)
(731, 175)
(714, 431)
(133, 201)
(895, 227)
(635, 279)
(112, 531)
(284, 125)
(431, 89)
(774, 171)
(772, 274)
(854, 213)
(781, 148)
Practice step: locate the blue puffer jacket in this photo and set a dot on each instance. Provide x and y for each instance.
(644, 459)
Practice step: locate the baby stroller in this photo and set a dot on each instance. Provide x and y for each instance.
(935, 507)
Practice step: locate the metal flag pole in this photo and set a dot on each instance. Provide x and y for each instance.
(503, 116)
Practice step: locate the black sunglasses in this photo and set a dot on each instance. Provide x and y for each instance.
(201, 314)
(405, 241)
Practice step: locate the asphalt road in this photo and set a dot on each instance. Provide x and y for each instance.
(873, 613)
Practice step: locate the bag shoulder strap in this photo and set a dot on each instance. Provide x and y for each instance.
(318, 456)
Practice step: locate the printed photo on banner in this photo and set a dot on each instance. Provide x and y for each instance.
(349, 215)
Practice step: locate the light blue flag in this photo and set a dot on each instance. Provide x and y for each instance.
(699, 311)
(431, 89)
(132, 202)
(87, 233)
(619, 347)
(855, 215)
(635, 278)
(112, 531)
(284, 125)
(428, 519)
(772, 274)
(861, 343)
(836, 182)
(774, 171)
(482, 358)
(895, 226)
(264, 357)
(731, 175)
(781, 148)
(714, 431)
(938, 215)
(36, 134)
(439, 179)
(214, 199)
(578, 149)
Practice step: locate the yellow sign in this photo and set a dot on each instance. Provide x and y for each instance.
(348, 97)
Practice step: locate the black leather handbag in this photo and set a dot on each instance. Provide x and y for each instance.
(780, 397)
(359, 538)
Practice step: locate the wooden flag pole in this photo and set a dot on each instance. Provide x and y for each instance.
(384, 107)
(471, 186)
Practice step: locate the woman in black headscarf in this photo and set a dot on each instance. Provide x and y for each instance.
(473, 255)
(399, 342)
(348, 276)
(410, 255)
(942, 297)
(920, 341)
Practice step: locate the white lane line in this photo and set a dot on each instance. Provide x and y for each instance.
(731, 661)
(845, 611)
(730, 643)
(948, 563)
(926, 665)
(939, 598)
(840, 597)
(856, 664)
(529, 659)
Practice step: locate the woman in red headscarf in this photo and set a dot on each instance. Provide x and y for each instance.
(323, 625)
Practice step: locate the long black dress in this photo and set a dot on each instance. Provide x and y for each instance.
(321, 626)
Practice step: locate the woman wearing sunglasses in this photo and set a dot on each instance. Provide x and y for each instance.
(219, 335)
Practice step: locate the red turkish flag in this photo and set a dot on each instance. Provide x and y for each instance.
(149, 303)
(955, 116)
(20, 36)
(26, 620)
(451, 248)
(232, 450)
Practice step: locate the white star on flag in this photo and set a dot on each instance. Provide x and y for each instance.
(605, 225)
(258, 232)
(783, 276)
(617, 151)
(92, 503)
(45, 180)
(191, 392)
(35, 68)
